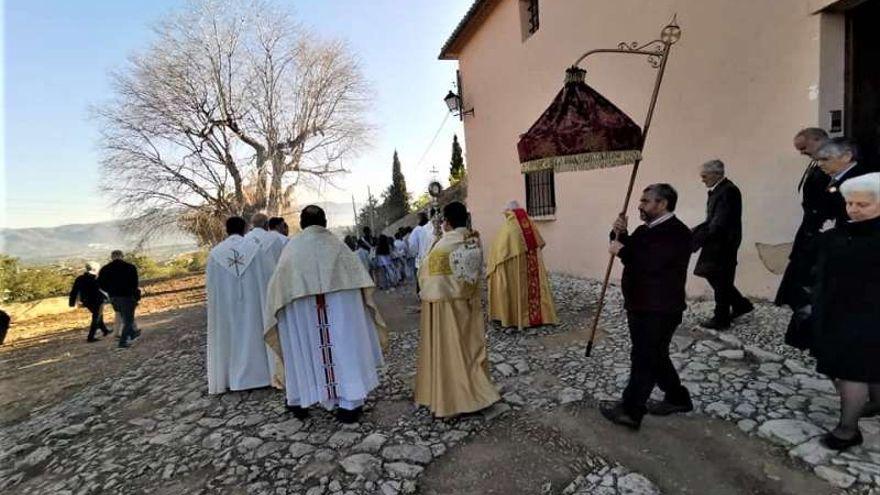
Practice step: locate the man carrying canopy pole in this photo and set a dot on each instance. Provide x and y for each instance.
(655, 263)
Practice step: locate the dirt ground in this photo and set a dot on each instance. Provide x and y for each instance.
(687, 455)
(47, 358)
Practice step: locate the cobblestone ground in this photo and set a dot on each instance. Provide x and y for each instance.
(154, 429)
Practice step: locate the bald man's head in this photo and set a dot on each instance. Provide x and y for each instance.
(259, 221)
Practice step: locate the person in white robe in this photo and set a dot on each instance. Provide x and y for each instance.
(421, 240)
(323, 324)
(237, 358)
(271, 244)
(278, 226)
(268, 241)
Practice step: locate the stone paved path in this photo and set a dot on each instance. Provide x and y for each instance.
(154, 429)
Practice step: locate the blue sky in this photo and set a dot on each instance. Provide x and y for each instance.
(58, 53)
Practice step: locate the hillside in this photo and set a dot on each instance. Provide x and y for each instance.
(96, 240)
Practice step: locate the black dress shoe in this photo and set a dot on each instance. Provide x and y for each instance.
(715, 324)
(298, 412)
(737, 312)
(614, 412)
(348, 416)
(833, 442)
(124, 345)
(663, 408)
(91, 339)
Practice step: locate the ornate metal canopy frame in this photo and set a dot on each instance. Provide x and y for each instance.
(657, 53)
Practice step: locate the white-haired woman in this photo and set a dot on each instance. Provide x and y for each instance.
(846, 313)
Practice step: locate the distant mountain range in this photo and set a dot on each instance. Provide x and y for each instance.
(96, 240)
(83, 241)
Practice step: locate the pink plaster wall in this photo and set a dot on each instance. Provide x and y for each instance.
(742, 80)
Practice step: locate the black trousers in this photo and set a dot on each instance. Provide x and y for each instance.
(651, 333)
(727, 297)
(97, 321)
(125, 307)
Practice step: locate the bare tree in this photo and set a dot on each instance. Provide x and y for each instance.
(228, 111)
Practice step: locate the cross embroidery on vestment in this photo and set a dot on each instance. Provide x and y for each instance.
(236, 261)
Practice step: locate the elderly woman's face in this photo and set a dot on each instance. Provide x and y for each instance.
(861, 206)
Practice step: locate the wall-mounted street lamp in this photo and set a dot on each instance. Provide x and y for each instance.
(453, 101)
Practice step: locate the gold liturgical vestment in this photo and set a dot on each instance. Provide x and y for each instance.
(519, 289)
(453, 369)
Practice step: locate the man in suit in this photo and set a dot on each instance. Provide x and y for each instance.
(838, 159)
(655, 262)
(812, 186)
(719, 238)
(86, 290)
(119, 279)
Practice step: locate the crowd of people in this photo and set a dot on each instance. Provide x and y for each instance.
(298, 313)
(831, 282)
(393, 260)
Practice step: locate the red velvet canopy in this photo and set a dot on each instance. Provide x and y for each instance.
(581, 130)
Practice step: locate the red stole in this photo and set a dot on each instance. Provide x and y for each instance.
(533, 273)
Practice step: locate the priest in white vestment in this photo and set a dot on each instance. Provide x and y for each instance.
(269, 241)
(322, 322)
(271, 244)
(278, 227)
(237, 358)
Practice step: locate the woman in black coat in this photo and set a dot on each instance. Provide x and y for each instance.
(846, 315)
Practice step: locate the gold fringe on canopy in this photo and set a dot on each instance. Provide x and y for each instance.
(583, 161)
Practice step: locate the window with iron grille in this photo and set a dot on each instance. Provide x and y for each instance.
(529, 18)
(540, 193)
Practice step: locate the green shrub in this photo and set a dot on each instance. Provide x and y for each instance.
(20, 284)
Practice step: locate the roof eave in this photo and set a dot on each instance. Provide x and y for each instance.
(475, 15)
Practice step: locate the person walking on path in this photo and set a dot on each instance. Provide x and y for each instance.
(119, 280)
(845, 314)
(237, 358)
(519, 288)
(655, 262)
(322, 323)
(86, 290)
(718, 239)
(452, 372)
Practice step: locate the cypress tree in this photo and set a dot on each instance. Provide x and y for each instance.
(456, 164)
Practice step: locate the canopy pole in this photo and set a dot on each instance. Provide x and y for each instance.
(663, 55)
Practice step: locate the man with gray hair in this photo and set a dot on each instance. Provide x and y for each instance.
(718, 238)
(86, 292)
(837, 159)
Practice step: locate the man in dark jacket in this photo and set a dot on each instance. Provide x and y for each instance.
(86, 290)
(119, 280)
(655, 262)
(838, 159)
(719, 238)
(813, 187)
